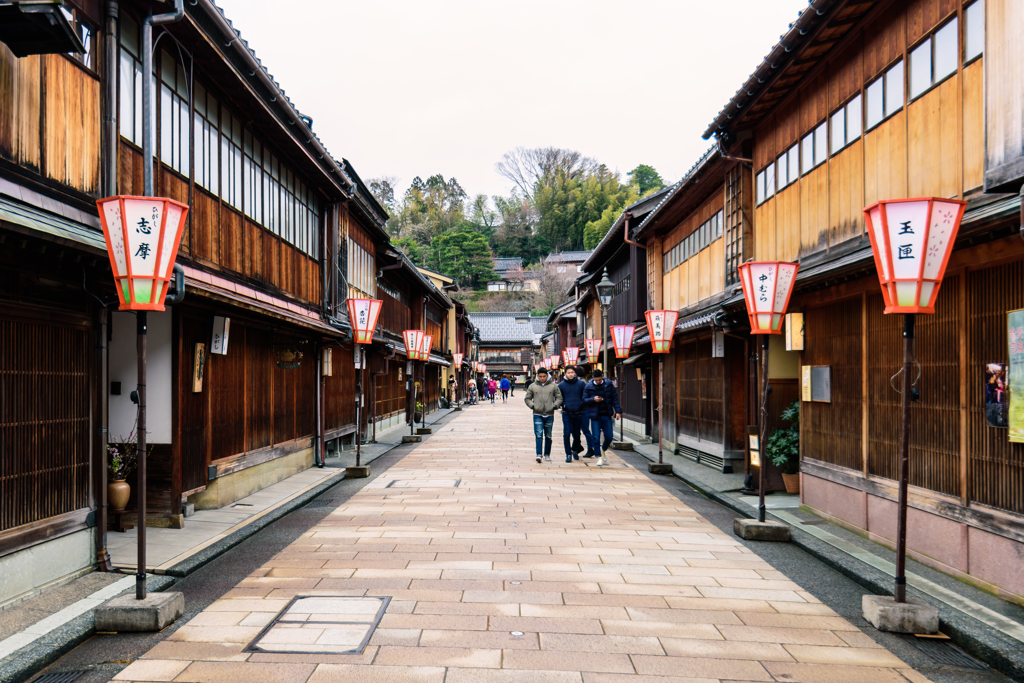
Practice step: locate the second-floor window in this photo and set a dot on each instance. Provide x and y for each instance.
(206, 130)
(361, 269)
(814, 148)
(765, 183)
(175, 123)
(935, 59)
(974, 30)
(788, 167)
(85, 34)
(130, 113)
(885, 95)
(846, 124)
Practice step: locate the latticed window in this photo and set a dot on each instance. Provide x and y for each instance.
(733, 225)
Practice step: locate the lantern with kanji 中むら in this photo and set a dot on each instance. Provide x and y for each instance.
(767, 286)
(413, 341)
(142, 235)
(661, 326)
(622, 339)
(911, 240)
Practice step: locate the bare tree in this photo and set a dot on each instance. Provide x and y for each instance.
(552, 287)
(516, 278)
(526, 167)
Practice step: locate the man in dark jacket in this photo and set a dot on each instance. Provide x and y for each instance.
(602, 402)
(573, 414)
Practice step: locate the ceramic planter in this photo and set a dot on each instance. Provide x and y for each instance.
(792, 482)
(117, 495)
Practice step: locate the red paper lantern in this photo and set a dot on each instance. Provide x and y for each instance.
(483, 367)
(143, 235)
(428, 341)
(413, 341)
(661, 325)
(555, 360)
(767, 286)
(622, 338)
(593, 349)
(457, 360)
(912, 240)
(571, 355)
(362, 314)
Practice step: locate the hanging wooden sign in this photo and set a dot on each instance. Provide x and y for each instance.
(198, 368)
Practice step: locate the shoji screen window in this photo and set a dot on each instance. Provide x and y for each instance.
(765, 183)
(174, 114)
(252, 178)
(885, 95)
(231, 159)
(974, 30)
(130, 88)
(788, 165)
(935, 59)
(206, 132)
(814, 148)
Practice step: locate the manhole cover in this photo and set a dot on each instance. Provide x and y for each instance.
(423, 483)
(945, 652)
(325, 502)
(322, 625)
(60, 677)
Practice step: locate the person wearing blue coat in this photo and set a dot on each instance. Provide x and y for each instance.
(602, 402)
(573, 414)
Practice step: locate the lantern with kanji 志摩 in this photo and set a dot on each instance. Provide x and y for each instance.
(362, 314)
(912, 240)
(142, 234)
(661, 326)
(767, 286)
(622, 339)
(413, 341)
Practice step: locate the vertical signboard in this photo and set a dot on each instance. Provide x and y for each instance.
(1015, 340)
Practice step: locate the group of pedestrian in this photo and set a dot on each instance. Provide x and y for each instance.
(588, 407)
(489, 388)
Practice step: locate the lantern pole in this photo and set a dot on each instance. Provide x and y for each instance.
(359, 405)
(412, 417)
(763, 431)
(900, 592)
(622, 396)
(661, 412)
(142, 321)
(423, 373)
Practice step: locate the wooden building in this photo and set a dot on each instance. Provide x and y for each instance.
(862, 101)
(506, 341)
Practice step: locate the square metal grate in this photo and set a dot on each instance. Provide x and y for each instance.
(60, 677)
(321, 624)
(424, 483)
(945, 652)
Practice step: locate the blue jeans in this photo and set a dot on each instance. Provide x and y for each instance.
(602, 423)
(542, 425)
(572, 425)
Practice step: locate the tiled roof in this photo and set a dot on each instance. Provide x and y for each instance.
(568, 257)
(502, 265)
(513, 328)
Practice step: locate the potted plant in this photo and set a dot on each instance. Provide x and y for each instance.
(121, 460)
(783, 448)
(418, 415)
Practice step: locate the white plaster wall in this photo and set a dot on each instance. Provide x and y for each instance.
(32, 568)
(123, 363)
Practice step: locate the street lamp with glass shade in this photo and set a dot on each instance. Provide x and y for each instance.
(911, 240)
(142, 236)
(605, 288)
(767, 287)
(661, 326)
(362, 316)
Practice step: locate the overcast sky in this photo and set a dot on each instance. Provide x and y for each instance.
(416, 87)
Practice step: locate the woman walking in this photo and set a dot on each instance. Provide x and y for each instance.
(492, 389)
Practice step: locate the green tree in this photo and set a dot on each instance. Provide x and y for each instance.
(515, 235)
(646, 178)
(412, 249)
(566, 204)
(464, 255)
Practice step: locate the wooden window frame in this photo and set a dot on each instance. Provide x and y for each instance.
(845, 108)
(967, 60)
(930, 39)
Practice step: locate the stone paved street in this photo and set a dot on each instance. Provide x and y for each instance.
(500, 569)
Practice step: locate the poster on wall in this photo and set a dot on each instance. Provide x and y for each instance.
(1015, 339)
(996, 395)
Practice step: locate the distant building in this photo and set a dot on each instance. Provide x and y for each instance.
(507, 340)
(567, 261)
(503, 269)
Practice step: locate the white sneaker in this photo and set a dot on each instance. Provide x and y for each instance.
(600, 461)
(547, 458)
(538, 458)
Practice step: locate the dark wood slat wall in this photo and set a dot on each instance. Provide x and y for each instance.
(389, 395)
(260, 352)
(700, 391)
(44, 418)
(339, 405)
(832, 432)
(229, 390)
(192, 407)
(995, 466)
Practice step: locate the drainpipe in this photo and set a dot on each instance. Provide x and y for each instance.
(625, 232)
(321, 381)
(147, 90)
(110, 106)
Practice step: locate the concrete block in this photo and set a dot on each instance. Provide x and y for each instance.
(457, 409)
(753, 530)
(154, 613)
(361, 472)
(912, 616)
(659, 468)
(622, 446)
(411, 438)
(424, 430)
(188, 509)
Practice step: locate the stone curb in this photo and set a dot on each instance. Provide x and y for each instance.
(21, 665)
(977, 639)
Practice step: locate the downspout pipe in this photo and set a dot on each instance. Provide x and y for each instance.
(625, 232)
(725, 155)
(147, 90)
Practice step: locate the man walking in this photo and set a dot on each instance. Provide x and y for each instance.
(573, 414)
(543, 398)
(504, 388)
(602, 403)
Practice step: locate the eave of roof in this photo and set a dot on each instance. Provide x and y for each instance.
(711, 156)
(595, 255)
